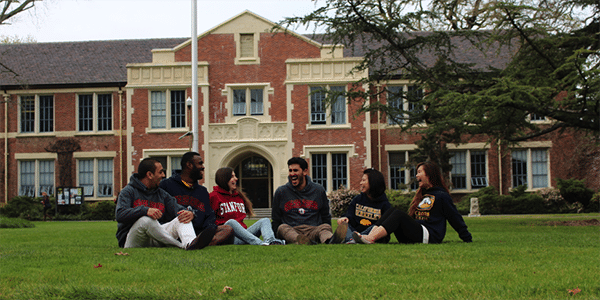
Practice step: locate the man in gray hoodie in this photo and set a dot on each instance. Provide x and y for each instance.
(148, 216)
(300, 209)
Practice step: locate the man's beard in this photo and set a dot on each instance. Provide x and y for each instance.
(196, 174)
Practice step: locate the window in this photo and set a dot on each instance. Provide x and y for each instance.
(96, 177)
(402, 174)
(247, 45)
(333, 177)
(319, 111)
(37, 114)
(95, 107)
(403, 98)
(536, 118)
(167, 109)
(530, 167)
(243, 107)
(468, 169)
(34, 173)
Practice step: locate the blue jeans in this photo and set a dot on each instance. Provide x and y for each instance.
(250, 235)
(351, 230)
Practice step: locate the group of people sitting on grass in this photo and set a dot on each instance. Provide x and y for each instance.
(155, 212)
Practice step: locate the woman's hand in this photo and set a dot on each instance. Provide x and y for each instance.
(342, 220)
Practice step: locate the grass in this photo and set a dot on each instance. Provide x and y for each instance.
(511, 258)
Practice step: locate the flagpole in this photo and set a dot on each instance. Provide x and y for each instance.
(195, 136)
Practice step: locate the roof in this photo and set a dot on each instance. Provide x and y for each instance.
(91, 63)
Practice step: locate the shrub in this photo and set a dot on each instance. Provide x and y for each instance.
(553, 200)
(103, 210)
(339, 201)
(15, 223)
(23, 207)
(594, 205)
(488, 200)
(574, 190)
(400, 199)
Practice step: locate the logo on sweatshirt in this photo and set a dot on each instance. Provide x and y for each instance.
(301, 205)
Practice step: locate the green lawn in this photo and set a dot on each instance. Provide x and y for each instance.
(511, 258)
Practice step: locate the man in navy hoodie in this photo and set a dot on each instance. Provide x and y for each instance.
(183, 185)
(148, 216)
(300, 209)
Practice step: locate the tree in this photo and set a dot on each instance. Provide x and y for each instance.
(10, 8)
(540, 58)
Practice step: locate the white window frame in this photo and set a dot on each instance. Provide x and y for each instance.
(168, 112)
(267, 91)
(468, 171)
(36, 158)
(95, 114)
(37, 115)
(405, 103)
(329, 150)
(169, 154)
(529, 168)
(407, 171)
(95, 156)
(247, 60)
(328, 123)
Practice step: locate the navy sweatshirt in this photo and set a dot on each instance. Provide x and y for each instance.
(433, 211)
(195, 199)
(364, 212)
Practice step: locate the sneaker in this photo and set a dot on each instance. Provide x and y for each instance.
(351, 241)
(276, 242)
(360, 239)
(302, 240)
(340, 234)
(202, 240)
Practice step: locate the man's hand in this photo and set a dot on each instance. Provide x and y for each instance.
(185, 216)
(342, 220)
(154, 213)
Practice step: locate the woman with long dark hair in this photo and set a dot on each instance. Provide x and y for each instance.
(426, 220)
(366, 208)
(231, 207)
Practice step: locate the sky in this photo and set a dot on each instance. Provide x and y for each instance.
(90, 20)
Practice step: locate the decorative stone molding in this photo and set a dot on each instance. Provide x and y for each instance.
(323, 70)
(247, 129)
(174, 74)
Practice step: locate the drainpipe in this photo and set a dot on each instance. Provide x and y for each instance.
(6, 96)
(120, 139)
(500, 165)
(379, 132)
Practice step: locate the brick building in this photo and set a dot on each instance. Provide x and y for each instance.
(85, 114)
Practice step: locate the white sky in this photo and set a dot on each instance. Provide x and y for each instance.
(86, 20)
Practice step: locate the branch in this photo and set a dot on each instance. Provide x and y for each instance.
(6, 14)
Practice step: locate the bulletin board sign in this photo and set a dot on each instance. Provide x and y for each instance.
(69, 195)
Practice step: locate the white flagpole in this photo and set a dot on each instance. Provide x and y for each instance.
(195, 140)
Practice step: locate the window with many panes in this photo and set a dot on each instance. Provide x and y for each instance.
(468, 169)
(530, 167)
(95, 112)
(167, 109)
(36, 114)
(330, 170)
(403, 98)
(247, 101)
(96, 176)
(402, 173)
(321, 113)
(35, 177)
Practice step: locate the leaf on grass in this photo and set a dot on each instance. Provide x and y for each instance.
(574, 291)
(98, 266)
(225, 289)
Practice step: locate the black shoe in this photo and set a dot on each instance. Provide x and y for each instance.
(276, 243)
(202, 240)
(340, 234)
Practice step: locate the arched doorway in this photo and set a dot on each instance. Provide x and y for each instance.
(255, 176)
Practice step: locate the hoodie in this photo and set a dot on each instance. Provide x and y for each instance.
(364, 212)
(194, 199)
(228, 206)
(134, 201)
(309, 206)
(433, 211)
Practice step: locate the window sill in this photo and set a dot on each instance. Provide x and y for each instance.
(176, 130)
(88, 133)
(327, 127)
(35, 134)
